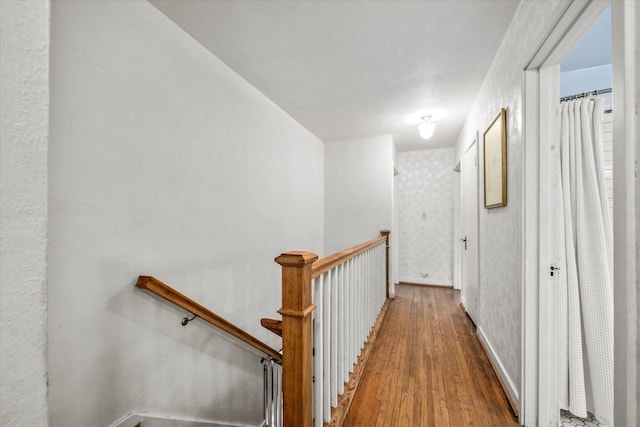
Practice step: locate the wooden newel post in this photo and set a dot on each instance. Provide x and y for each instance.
(297, 345)
(386, 233)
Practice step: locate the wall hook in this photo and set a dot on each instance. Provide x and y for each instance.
(186, 320)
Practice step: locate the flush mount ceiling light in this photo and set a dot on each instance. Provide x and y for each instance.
(425, 120)
(416, 117)
(426, 127)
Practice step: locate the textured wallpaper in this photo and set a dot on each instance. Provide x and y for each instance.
(24, 147)
(501, 228)
(425, 216)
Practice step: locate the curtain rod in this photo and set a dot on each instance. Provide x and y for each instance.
(585, 94)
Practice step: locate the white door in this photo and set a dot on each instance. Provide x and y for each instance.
(469, 232)
(457, 247)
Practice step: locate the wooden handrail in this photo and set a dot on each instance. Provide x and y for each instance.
(327, 263)
(273, 325)
(168, 293)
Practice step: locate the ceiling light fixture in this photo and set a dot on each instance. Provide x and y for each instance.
(426, 127)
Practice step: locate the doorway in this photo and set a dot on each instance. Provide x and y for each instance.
(540, 296)
(469, 232)
(583, 240)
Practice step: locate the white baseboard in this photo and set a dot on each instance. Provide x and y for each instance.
(506, 380)
(428, 281)
(147, 419)
(129, 420)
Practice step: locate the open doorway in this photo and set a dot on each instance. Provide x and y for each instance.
(542, 127)
(583, 210)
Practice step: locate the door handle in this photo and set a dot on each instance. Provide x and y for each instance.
(464, 239)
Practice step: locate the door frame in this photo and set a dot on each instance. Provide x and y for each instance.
(539, 388)
(626, 28)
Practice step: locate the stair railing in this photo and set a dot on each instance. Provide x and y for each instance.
(329, 308)
(166, 292)
(271, 364)
(272, 393)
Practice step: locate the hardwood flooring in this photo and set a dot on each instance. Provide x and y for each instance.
(427, 368)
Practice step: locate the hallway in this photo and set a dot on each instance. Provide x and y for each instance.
(428, 368)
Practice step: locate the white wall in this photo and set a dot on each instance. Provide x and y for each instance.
(24, 138)
(164, 162)
(501, 228)
(636, 21)
(358, 190)
(426, 216)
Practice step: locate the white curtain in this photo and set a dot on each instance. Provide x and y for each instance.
(586, 260)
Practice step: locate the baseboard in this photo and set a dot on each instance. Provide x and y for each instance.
(131, 419)
(146, 419)
(509, 388)
(392, 293)
(426, 282)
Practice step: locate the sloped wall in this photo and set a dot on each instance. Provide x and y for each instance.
(165, 162)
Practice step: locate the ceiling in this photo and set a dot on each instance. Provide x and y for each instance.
(354, 69)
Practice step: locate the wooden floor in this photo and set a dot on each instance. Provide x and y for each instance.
(428, 368)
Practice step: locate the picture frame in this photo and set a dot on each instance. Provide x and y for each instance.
(495, 162)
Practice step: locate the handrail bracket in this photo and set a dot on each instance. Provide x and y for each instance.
(186, 320)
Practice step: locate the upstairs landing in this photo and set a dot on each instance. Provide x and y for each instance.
(428, 368)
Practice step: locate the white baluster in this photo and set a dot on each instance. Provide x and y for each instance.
(334, 338)
(278, 396)
(370, 291)
(274, 391)
(376, 257)
(369, 295)
(326, 347)
(383, 273)
(318, 352)
(340, 324)
(265, 386)
(354, 302)
(360, 303)
(356, 308)
(365, 299)
(350, 315)
(365, 302)
(378, 277)
(374, 285)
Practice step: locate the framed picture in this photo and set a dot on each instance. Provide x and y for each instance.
(495, 162)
